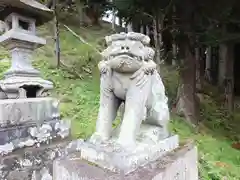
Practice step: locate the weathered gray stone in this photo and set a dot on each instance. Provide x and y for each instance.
(137, 148)
(180, 164)
(22, 80)
(110, 156)
(32, 163)
(27, 116)
(129, 76)
(29, 110)
(25, 122)
(29, 8)
(26, 135)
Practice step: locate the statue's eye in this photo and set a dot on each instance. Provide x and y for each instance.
(127, 48)
(122, 47)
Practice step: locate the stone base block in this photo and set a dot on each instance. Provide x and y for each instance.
(12, 138)
(20, 111)
(111, 156)
(32, 163)
(179, 164)
(26, 122)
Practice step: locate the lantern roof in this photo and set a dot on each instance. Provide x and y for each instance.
(28, 8)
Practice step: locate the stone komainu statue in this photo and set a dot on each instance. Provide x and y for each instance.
(129, 76)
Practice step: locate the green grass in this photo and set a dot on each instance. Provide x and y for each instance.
(217, 159)
(80, 98)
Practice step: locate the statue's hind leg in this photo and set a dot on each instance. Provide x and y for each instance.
(159, 118)
(158, 111)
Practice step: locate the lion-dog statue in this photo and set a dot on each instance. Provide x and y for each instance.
(129, 76)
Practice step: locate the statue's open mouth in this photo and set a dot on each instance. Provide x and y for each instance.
(126, 55)
(125, 61)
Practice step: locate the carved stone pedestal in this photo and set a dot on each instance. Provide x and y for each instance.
(150, 159)
(117, 159)
(32, 163)
(29, 110)
(28, 118)
(25, 122)
(33, 123)
(178, 164)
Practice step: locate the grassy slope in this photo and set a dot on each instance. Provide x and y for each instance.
(80, 98)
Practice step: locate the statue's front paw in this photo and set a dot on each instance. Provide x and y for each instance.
(148, 70)
(149, 67)
(104, 70)
(97, 139)
(140, 77)
(103, 67)
(127, 143)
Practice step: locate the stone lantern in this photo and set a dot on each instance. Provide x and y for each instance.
(27, 116)
(20, 20)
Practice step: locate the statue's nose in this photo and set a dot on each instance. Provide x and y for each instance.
(125, 48)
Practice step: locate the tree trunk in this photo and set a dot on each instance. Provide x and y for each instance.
(187, 101)
(142, 29)
(120, 21)
(56, 29)
(93, 13)
(49, 3)
(201, 67)
(208, 64)
(113, 20)
(229, 80)
(158, 37)
(223, 58)
(136, 26)
(198, 69)
(129, 27)
(81, 13)
(156, 43)
(151, 35)
(174, 52)
(147, 30)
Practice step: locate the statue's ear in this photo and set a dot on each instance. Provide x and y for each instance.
(149, 53)
(106, 52)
